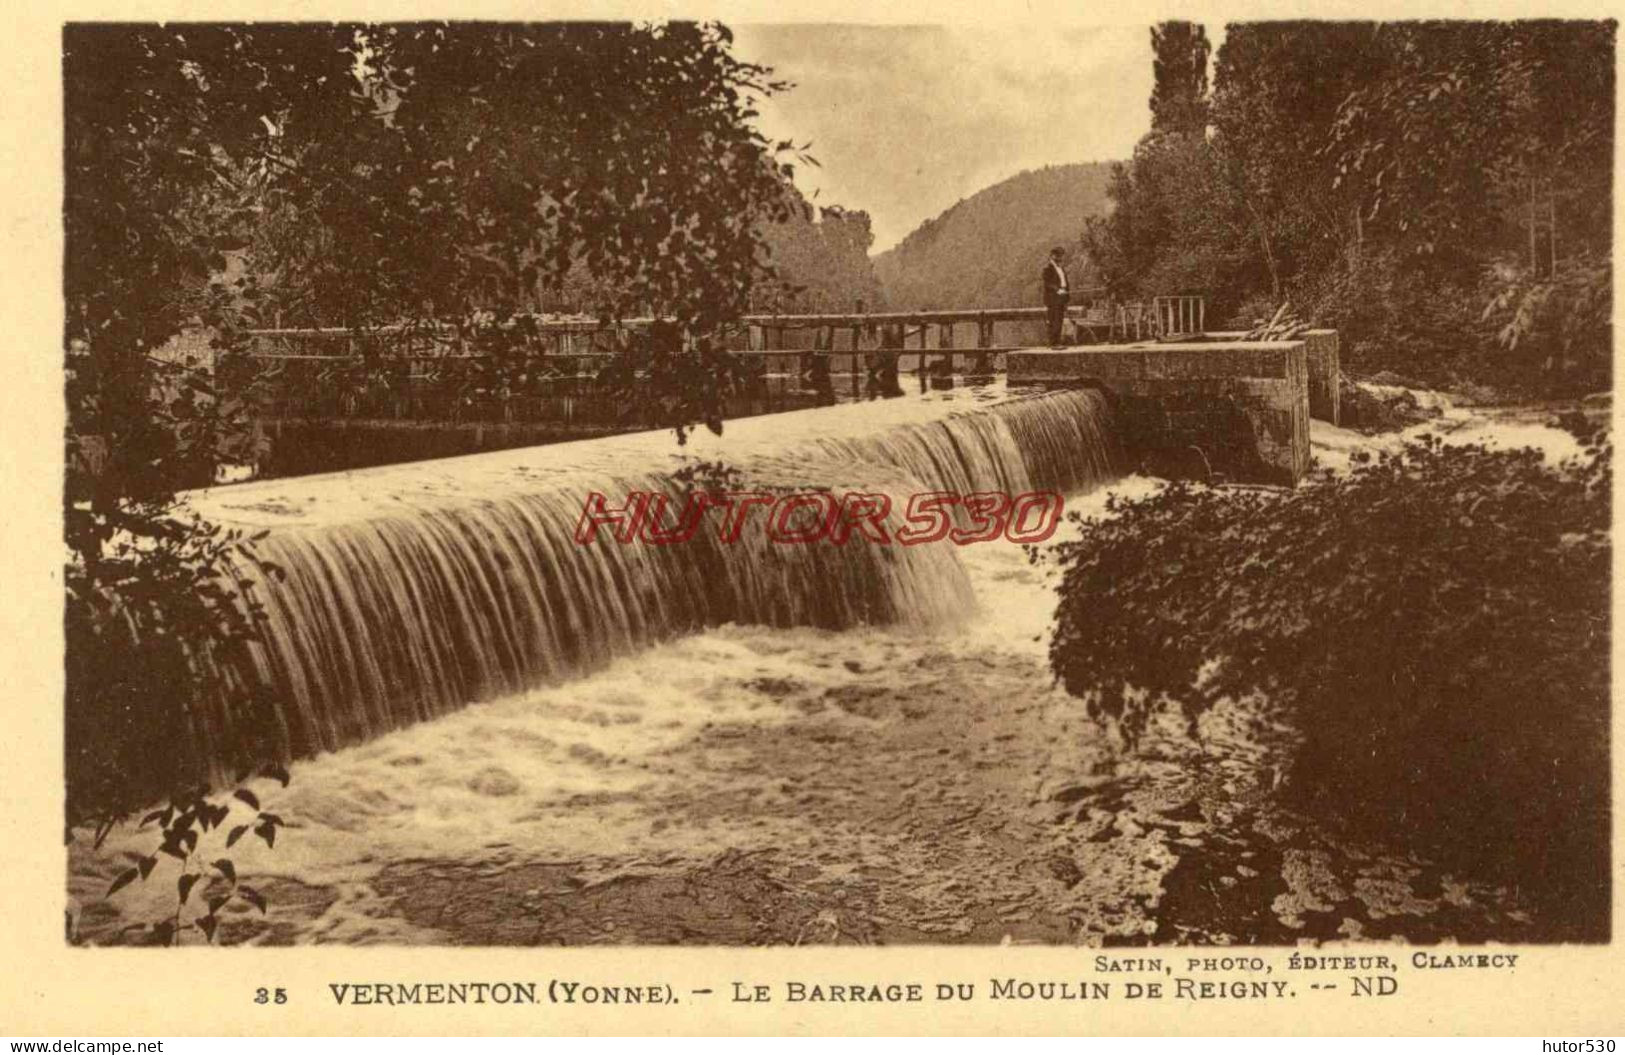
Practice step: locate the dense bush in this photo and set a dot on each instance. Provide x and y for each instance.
(1556, 328)
(155, 636)
(1394, 316)
(1522, 333)
(1435, 623)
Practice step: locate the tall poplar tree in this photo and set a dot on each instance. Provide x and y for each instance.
(1179, 94)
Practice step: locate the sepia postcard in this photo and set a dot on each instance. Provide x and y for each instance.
(805, 519)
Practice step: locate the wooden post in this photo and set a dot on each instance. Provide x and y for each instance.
(1551, 206)
(984, 338)
(945, 340)
(891, 348)
(823, 341)
(1534, 264)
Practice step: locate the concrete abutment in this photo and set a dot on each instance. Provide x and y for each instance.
(1221, 405)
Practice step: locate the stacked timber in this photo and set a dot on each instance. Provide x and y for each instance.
(1284, 326)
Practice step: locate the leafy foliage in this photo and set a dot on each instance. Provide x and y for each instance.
(1435, 623)
(656, 377)
(1179, 89)
(1392, 178)
(491, 160)
(183, 824)
(1441, 145)
(1559, 325)
(156, 631)
(1153, 242)
(821, 260)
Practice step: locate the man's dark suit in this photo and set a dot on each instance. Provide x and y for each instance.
(1056, 294)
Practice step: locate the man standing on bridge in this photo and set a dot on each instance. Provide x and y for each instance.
(1056, 293)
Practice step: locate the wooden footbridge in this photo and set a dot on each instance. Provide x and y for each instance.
(1098, 321)
(433, 371)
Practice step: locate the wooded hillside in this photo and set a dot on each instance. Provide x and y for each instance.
(986, 251)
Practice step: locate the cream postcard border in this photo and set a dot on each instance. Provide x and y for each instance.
(50, 990)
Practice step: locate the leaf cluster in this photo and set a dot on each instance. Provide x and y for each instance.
(1434, 624)
(183, 824)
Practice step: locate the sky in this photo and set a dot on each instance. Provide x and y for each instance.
(907, 120)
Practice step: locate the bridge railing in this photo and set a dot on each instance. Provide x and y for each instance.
(432, 372)
(1180, 315)
(1096, 316)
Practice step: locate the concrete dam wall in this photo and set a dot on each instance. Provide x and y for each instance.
(1217, 406)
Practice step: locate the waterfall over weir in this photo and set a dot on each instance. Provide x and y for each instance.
(413, 590)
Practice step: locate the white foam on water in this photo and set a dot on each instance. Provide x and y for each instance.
(584, 772)
(637, 762)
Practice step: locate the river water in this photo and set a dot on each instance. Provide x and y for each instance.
(913, 777)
